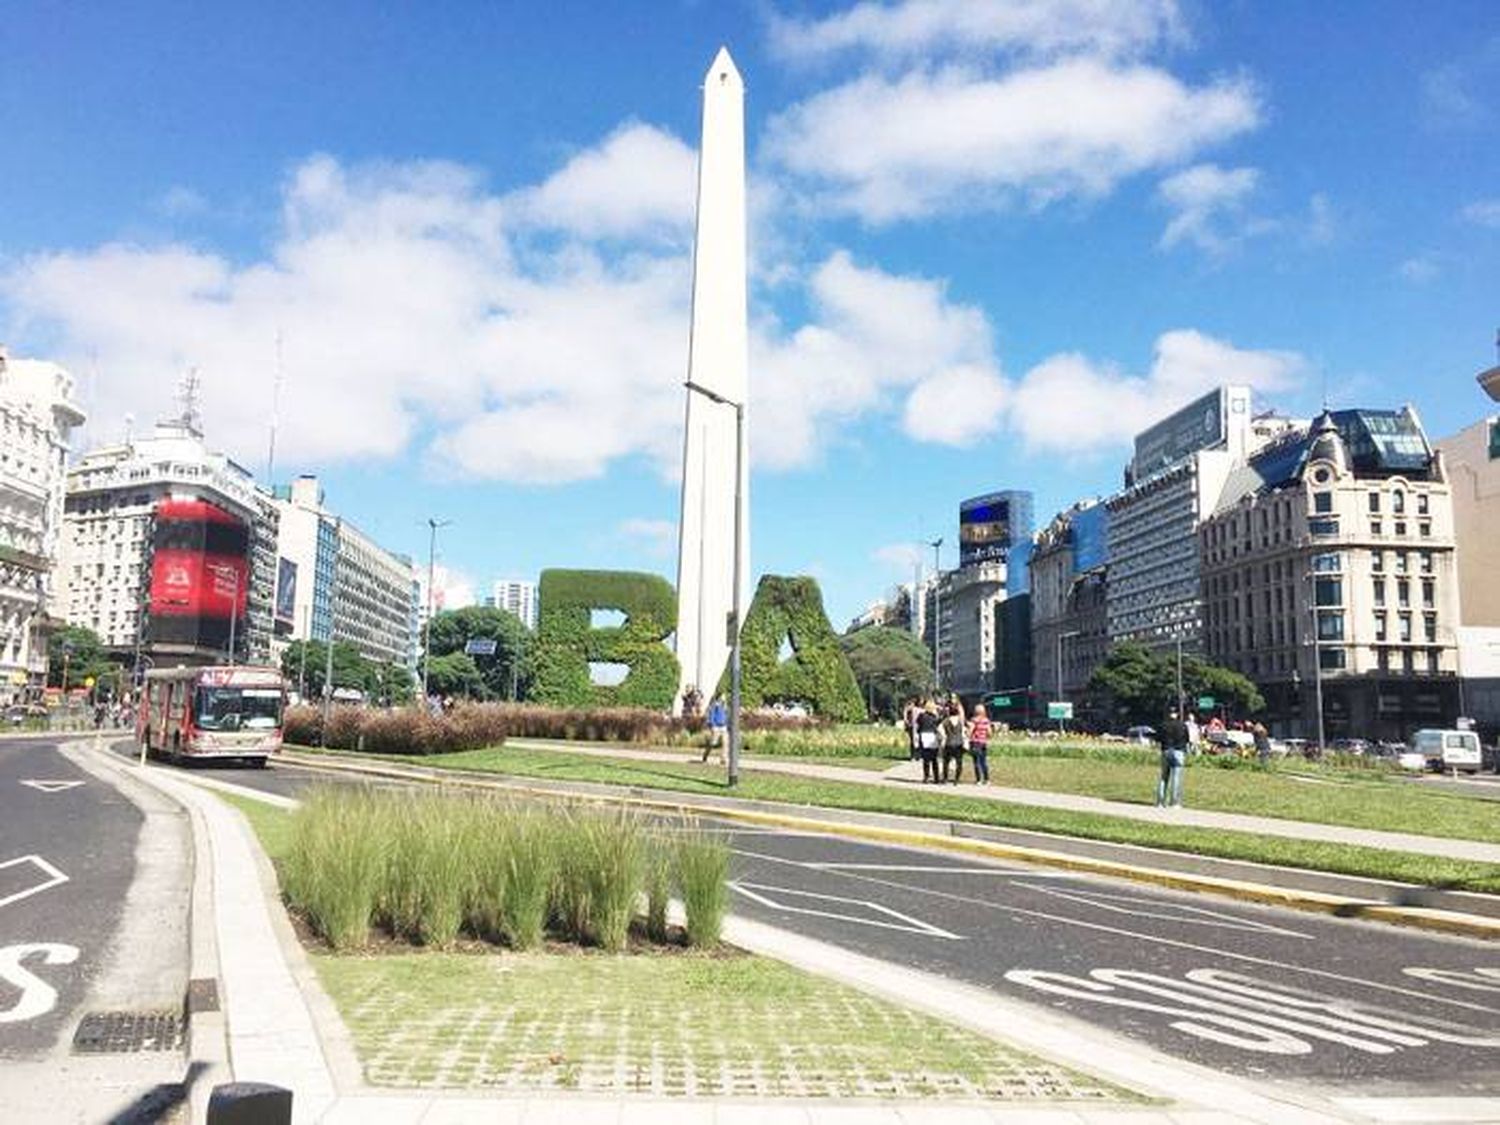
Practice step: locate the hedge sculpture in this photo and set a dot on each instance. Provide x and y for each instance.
(817, 673)
(566, 642)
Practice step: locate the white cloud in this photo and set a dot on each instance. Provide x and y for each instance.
(1209, 205)
(1419, 270)
(873, 337)
(959, 140)
(1485, 212)
(452, 589)
(1459, 94)
(640, 180)
(657, 537)
(181, 202)
(911, 27)
(901, 557)
(955, 407)
(1071, 404)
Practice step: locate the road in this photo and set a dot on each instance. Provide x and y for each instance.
(1340, 1005)
(67, 857)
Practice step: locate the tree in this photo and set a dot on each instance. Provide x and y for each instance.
(455, 673)
(1141, 685)
(890, 666)
(350, 669)
(77, 650)
(506, 674)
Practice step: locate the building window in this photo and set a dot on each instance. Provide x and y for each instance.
(1424, 529)
(1328, 591)
(1401, 562)
(1495, 439)
(1434, 661)
(1383, 658)
(1422, 501)
(1322, 503)
(1322, 528)
(1331, 659)
(1380, 627)
(1398, 502)
(1407, 662)
(1377, 561)
(1428, 590)
(1376, 528)
(1403, 628)
(1327, 563)
(1330, 626)
(1403, 593)
(1400, 528)
(1380, 591)
(1375, 502)
(1429, 627)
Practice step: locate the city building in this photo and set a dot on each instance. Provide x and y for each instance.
(37, 418)
(1471, 459)
(518, 596)
(1069, 584)
(1329, 573)
(336, 582)
(168, 548)
(1171, 484)
(994, 534)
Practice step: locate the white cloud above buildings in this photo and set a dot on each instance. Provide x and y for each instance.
(1485, 212)
(539, 335)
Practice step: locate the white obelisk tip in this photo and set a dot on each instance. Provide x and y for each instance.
(723, 71)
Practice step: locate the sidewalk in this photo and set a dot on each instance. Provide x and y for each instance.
(280, 1028)
(908, 774)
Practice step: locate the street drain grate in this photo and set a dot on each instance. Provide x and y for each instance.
(125, 1033)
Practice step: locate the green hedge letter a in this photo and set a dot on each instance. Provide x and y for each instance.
(817, 673)
(567, 643)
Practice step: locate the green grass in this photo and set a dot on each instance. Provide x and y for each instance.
(690, 777)
(662, 1026)
(273, 826)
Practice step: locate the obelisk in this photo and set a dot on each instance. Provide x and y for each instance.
(718, 365)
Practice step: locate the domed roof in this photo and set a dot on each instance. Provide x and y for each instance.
(1326, 443)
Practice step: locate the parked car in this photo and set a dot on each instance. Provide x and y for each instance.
(1357, 746)
(1448, 749)
(1141, 736)
(18, 713)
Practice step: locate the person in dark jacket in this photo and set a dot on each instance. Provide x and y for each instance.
(928, 735)
(1174, 744)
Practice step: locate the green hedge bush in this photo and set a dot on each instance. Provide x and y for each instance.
(818, 672)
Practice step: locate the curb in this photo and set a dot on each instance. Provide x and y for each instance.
(948, 839)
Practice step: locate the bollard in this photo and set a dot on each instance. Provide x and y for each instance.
(249, 1103)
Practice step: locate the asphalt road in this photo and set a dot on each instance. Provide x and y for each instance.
(67, 857)
(1340, 1005)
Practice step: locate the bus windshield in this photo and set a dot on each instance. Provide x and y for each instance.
(232, 708)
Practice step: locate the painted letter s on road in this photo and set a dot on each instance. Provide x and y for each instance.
(37, 996)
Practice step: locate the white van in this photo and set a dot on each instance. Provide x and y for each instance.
(1448, 749)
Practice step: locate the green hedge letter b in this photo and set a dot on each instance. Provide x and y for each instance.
(567, 643)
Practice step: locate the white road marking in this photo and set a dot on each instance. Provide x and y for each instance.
(1254, 1015)
(1012, 910)
(37, 996)
(1142, 907)
(904, 922)
(54, 878)
(51, 786)
(1480, 980)
(920, 868)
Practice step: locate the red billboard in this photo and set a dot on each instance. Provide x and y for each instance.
(200, 574)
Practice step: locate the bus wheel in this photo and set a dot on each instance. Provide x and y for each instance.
(258, 763)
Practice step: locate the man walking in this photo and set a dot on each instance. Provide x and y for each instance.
(718, 722)
(1174, 744)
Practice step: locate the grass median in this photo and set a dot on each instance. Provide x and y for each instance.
(691, 777)
(676, 1022)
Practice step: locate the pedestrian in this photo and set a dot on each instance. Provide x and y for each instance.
(927, 740)
(979, 744)
(1174, 744)
(1194, 731)
(718, 723)
(1262, 744)
(954, 737)
(909, 720)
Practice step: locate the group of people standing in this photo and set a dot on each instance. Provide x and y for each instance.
(1181, 735)
(940, 734)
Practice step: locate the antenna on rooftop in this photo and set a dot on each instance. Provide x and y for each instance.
(188, 392)
(275, 416)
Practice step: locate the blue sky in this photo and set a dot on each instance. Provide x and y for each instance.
(990, 240)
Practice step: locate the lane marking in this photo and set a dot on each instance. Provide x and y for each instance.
(1480, 980)
(916, 868)
(1176, 943)
(37, 996)
(1142, 906)
(47, 786)
(54, 878)
(1255, 1015)
(904, 922)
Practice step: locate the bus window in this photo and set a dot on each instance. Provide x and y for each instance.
(232, 708)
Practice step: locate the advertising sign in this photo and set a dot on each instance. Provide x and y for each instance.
(200, 573)
(984, 531)
(480, 646)
(286, 591)
(1196, 426)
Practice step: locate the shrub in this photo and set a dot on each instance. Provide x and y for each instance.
(703, 879)
(616, 872)
(530, 869)
(658, 878)
(334, 866)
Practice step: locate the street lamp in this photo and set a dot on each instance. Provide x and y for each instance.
(333, 613)
(937, 617)
(734, 613)
(234, 609)
(1317, 650)
(432, 527)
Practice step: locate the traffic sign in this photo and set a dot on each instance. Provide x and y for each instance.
(1002, 701)
(480, 646)
(1206, 703)
(1059, 710)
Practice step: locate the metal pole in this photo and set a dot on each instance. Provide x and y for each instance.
(234, 610)
(1318, 676)
(937, 615)
(734, 651)
(432, 524)
(306, 640)
(1181, 701)
(1059, 675)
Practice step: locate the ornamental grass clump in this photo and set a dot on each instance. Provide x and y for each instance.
(703, 880)
(616, 848)
(658, 876)
(334, 868)
(530, 868)
(428, 873)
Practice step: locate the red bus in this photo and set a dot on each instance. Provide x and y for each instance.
(212, 712)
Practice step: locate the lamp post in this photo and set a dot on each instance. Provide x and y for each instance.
(1317, 652)
(734, 613)
(937, 616)
(234, 609)
(333, 597)
(1181, 700)
(432, 530)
